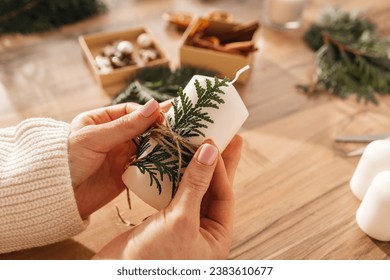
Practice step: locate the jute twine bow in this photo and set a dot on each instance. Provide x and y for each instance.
(171, 141)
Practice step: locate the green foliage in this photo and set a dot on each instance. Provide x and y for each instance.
(350, 58)
(343, 26)
(158, 162)
(188, 121)
(30, 16)
(159, 83)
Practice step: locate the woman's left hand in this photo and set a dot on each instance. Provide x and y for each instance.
(99, 149)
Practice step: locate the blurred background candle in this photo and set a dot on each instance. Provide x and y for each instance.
(286, 14)
(227, 120)
(373, 213)
(374, 160)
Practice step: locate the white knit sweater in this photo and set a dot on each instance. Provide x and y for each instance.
(37, 203)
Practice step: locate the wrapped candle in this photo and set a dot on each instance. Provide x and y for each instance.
(376, 158)
(373, 213)
(206, 108)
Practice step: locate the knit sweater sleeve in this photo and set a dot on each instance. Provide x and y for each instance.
(37, 203)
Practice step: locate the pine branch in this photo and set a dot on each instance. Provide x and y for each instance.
(30, 16)
(344, 26)
(189, 118)
(156, 163)
(351, 60)
(159, 83)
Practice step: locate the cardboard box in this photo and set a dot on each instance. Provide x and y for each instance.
(226, 64)
(92, 45)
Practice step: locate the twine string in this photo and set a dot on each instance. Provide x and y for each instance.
(170, 141)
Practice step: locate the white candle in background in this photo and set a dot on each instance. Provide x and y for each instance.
(374, 211)
(284, 13)
(227, 121)
(376, 158)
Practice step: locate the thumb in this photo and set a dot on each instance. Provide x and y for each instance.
(196, 179)
(129, 126)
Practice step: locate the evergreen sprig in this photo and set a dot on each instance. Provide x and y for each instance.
(30, 16)
(346, 27)
(189, 119)
(159, 83)
(350, 58)
(158, 162)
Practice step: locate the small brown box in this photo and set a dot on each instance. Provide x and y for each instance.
(92, 45)
(226, 64)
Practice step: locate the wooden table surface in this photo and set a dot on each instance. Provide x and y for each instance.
(292, 186)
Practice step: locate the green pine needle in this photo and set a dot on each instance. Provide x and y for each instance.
(30, 16)
(350, 58)
(159, 83)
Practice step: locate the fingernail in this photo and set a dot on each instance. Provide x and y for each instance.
(160, 120)
(208, 154)
(148, 109)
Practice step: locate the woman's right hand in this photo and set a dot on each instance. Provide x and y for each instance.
(197, 224)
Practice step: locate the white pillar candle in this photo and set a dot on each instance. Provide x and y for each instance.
(284, 13)
(376, 158)
(227, 120)
(373, 213)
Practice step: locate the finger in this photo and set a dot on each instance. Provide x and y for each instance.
(220, 183)
(110, 134)
(166, 105)
(114, 112)
(103, 115)
(220, 193)
(196, 180)
(231, 156)
(219, 204)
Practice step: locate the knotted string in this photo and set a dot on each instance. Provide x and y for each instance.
(170, 141)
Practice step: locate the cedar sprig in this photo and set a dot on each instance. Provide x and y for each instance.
(345, 27)
(32, 16)
(189, 119)
(156, 163)
(159, 83)
(350, 58)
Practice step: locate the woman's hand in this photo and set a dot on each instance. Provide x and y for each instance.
(197, 224)
(99, 149)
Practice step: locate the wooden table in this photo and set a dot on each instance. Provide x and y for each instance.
(292, 187)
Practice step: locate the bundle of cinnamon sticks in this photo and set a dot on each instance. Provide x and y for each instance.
(235, 41)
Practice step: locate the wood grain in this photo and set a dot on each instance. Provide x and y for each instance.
(292, 185)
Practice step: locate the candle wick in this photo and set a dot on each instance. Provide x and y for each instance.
(239, 72)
